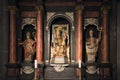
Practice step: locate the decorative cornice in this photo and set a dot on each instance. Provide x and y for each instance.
(90, 21)
(28, 21)
(70, 14)
(50, 14)
(71, 17)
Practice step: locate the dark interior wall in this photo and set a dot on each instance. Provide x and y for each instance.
(118, 40)
(113, 37)
(0, 40)
(3, 38)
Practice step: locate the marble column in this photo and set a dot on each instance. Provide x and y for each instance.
(12, 56)
(104, 44)
(39, 35)
(104, 51)
(79, 33)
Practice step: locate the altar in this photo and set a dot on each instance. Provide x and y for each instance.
(56, 41)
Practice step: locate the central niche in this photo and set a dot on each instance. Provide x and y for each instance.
(59, 41)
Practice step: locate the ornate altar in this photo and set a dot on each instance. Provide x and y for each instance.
(59, 42)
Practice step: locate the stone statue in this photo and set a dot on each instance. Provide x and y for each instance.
(92, 46)
(29, 48)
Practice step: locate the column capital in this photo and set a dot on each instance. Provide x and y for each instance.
(79, 9)
(105, 9)
(39, 9)
(12, 9)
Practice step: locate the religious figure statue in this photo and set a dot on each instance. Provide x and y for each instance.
(60, 44)
(92, 46)
(29, 48)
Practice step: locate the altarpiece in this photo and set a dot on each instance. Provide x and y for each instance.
(61, 42)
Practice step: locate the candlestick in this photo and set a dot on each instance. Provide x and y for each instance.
(79, 64)
(35, 63)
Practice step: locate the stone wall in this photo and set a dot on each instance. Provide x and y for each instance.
(118, 41)
(3, 37)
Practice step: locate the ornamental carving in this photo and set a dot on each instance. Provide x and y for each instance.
(28, 21)
(90, 21)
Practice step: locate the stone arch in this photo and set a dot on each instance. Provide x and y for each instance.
(52, 18)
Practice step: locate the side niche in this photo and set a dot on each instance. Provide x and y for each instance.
(28, 32)
(28, 43)
(92, 40)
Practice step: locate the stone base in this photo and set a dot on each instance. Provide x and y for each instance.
(59, 59)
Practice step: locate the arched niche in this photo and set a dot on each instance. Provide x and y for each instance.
(60, 41)
(28, 28)
(63, 21)
(52, 16)
(92, 38)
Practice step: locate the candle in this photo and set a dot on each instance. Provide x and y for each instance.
(79, 64)
(35, 63)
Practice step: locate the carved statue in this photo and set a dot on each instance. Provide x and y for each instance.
(60, 44)
(29, 48)
(92, 46)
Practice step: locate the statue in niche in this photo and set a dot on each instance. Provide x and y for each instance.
(92, 46)
(60, 44)
(29, 48)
